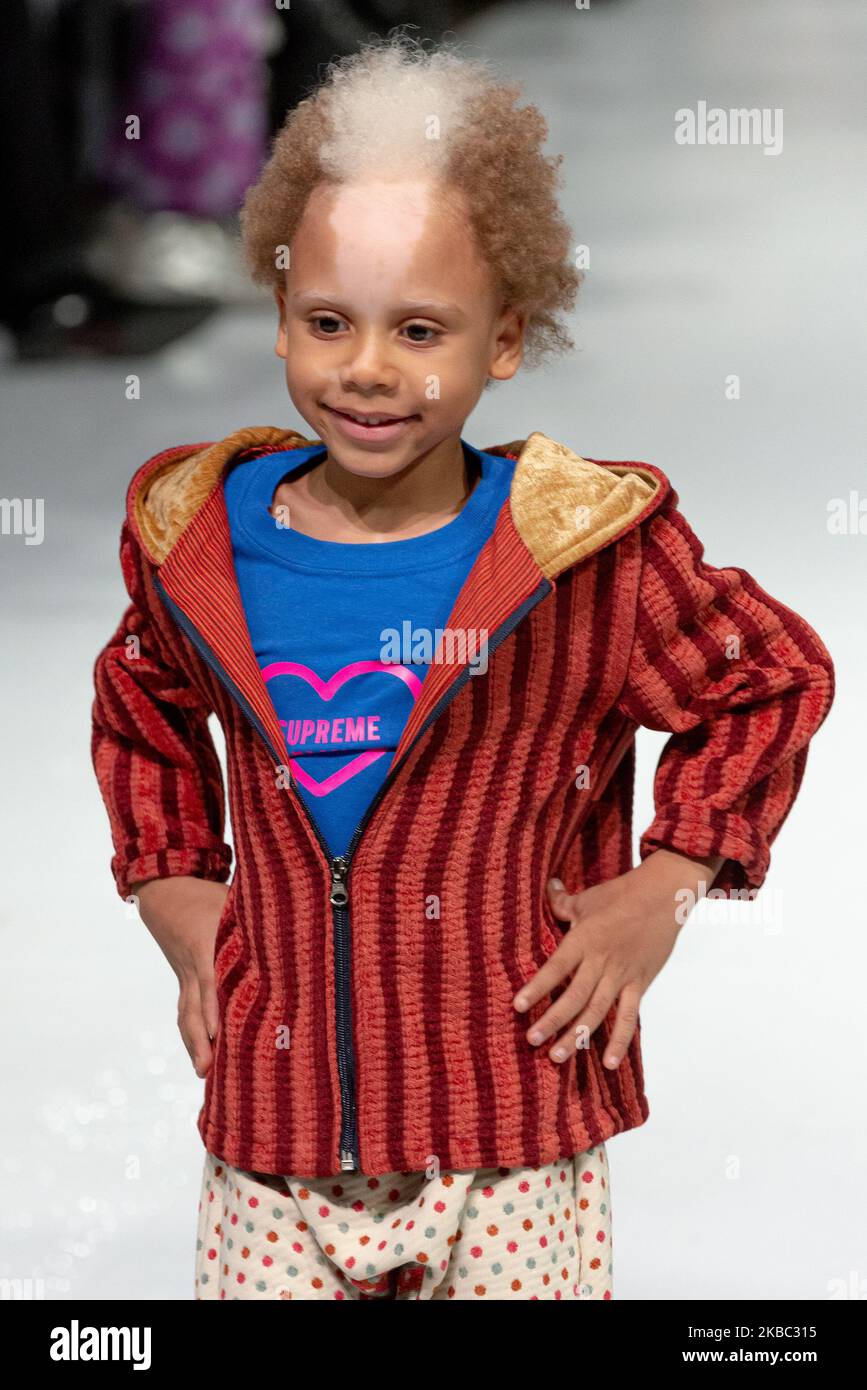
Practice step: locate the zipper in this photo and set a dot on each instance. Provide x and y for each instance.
(339, 899)
(340, 869)
(340, 865)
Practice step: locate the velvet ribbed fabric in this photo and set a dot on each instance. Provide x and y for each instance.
(500, 781)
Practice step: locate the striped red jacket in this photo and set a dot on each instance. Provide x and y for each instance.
(390, 972)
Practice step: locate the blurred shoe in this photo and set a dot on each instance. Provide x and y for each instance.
(170, 257)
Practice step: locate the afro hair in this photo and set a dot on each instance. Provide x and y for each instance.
(400, 107)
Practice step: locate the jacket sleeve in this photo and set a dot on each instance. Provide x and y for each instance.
(740, 682)
(153, 753)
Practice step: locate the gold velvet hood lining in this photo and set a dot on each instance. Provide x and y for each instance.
(563, 506)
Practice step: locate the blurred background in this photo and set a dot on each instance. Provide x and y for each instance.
(706, 263)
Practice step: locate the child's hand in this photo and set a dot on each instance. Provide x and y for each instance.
(182, 914)
(622, 933)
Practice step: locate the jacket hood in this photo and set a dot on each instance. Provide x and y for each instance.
(564, 506)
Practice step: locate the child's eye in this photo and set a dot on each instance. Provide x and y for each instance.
(328, 323)
(331, 324)
(414, 328)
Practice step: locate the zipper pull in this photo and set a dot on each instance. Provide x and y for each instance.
(339, 893)
(347, 1162)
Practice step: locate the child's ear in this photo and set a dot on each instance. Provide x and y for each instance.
(508, 345)
(280, 347)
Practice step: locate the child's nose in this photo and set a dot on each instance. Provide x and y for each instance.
(369, 366)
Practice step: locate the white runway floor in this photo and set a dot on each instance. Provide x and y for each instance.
(748, 1178)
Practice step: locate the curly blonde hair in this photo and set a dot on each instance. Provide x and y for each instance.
(400, 106)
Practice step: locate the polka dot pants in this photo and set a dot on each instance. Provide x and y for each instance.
(491, 1233)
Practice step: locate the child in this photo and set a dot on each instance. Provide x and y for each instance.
(429, 662)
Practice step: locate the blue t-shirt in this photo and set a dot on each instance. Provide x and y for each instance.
(344, 632)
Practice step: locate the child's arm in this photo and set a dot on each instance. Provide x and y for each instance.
(741, 683)
(152, 751)
(162, 785)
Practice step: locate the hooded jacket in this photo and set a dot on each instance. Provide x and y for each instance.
(365, 1001)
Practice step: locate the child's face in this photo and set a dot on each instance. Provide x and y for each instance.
(389, 310)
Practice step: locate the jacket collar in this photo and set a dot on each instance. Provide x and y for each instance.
(562, 508)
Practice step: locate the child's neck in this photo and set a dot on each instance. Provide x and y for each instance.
(329, 503)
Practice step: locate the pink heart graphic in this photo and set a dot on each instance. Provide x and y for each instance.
(326, 690)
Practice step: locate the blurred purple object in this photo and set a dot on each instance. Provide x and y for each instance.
(199, 89)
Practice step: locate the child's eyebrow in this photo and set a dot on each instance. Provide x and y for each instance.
(407, 306)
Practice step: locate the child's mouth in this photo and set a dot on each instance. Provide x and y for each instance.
(375, 427)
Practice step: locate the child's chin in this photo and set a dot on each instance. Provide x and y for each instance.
(368, 463)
